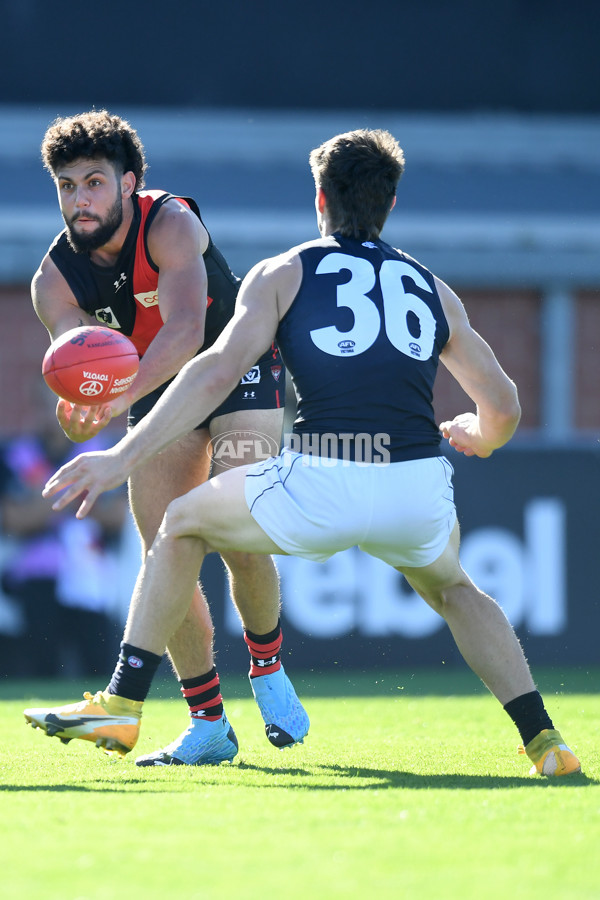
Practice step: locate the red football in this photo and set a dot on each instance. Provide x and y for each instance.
(90, 365)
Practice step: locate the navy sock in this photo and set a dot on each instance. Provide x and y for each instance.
(529, 715)
(134, 672)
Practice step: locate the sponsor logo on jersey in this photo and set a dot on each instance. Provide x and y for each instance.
(107, 317)
(147, 298)
(120, 281)
(276, 372)
(249, 395)
(369, 244)
(252, 376)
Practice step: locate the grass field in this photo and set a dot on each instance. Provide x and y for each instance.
(408, 786)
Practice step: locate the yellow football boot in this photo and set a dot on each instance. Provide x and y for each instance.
(110, 721)
(550, 755)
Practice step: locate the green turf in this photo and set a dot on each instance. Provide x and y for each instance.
(409, 786)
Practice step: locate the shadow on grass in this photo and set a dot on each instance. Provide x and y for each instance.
(348, 776)
(315, 778)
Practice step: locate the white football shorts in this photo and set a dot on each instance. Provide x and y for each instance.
(402, 512)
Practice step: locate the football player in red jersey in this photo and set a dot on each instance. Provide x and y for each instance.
(144, 263)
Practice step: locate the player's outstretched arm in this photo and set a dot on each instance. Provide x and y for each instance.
(88, 475)
(473, 363)
(200, 387)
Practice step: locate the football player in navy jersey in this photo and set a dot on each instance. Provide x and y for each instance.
(144, 263)
(361, 327)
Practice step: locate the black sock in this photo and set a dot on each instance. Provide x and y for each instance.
(529, 715)
(134, 672)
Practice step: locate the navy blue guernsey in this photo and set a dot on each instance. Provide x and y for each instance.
(362, 341)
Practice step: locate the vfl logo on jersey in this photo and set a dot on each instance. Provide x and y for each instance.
(252, 376)
(147, 298)
(347, 346)
(120, 281)
(107, 317)
(276, 372)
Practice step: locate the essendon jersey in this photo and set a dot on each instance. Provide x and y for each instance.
(362, 341)
(125, 296)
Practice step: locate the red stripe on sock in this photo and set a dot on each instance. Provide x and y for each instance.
(207, 705)
(193, 692)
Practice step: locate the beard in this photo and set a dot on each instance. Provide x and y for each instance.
(84, 243)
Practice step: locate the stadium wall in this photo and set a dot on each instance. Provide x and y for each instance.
(521, 55)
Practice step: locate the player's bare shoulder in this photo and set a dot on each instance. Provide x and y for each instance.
(51, 294)
(176, 226)
(455, 312)
(280, 277)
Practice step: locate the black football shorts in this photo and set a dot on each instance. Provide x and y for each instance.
(262, 387)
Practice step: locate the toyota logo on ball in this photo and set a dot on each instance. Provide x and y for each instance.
(91, 388)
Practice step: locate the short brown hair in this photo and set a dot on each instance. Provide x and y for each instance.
(359, 172)
(94, 134)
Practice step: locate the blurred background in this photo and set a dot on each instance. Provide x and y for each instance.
(497, 107)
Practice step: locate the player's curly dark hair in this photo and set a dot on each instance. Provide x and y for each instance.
(94, 134)
(359, 172)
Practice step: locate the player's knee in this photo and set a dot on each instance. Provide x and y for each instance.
(456, 596)
(177, 521)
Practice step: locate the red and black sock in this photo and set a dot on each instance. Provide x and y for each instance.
(265, 651)
(203, 695)
(529, 715)
(134, 672)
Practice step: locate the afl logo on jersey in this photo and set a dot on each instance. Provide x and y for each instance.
(347, 346)
(414, 349)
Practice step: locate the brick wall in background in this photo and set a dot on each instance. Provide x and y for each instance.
(23, 342)
(587, 360)
(507, 319)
